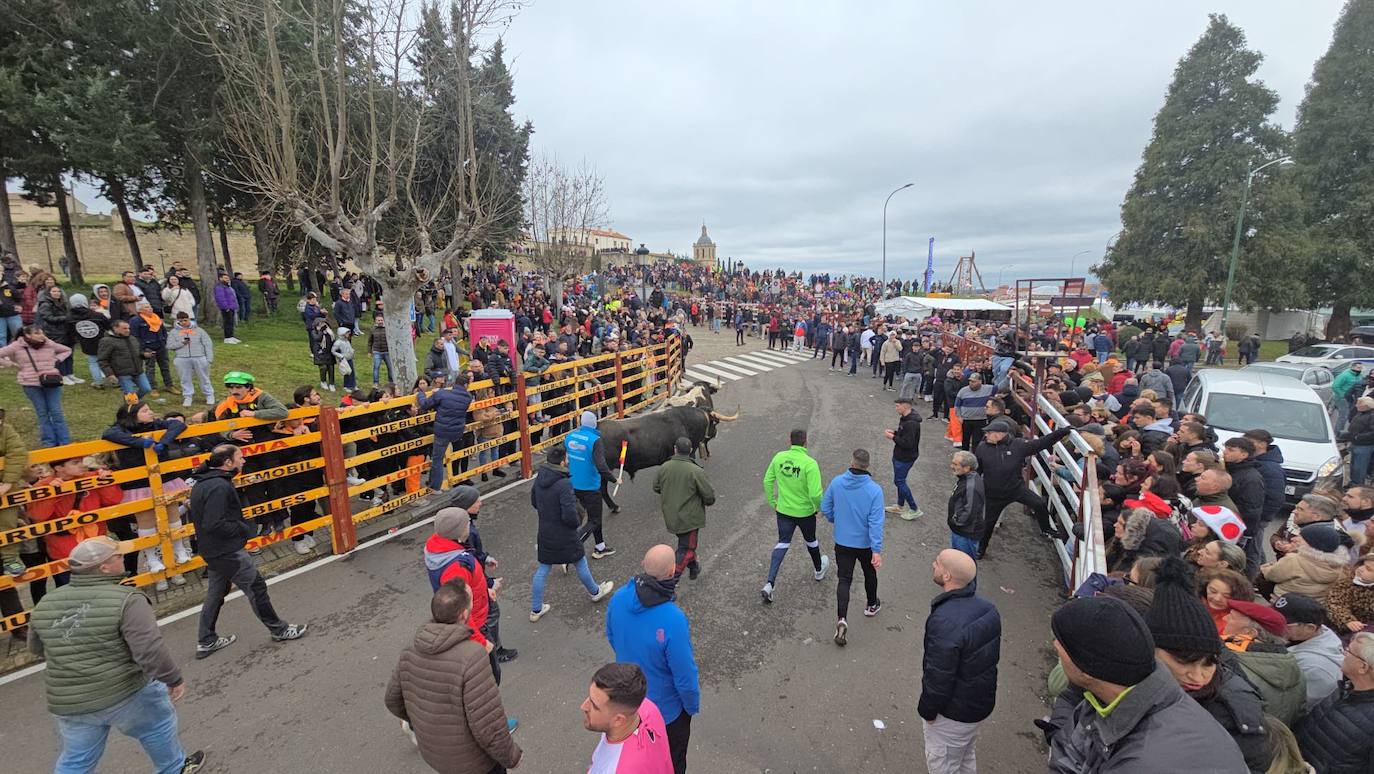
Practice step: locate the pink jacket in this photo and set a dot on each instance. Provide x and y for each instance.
(45, 358)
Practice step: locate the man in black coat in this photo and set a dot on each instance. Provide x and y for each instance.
(963, 642)
(559, 520)
(1247, 492)
(221, 534)
(1001, 457)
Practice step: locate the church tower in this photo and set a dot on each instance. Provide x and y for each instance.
(704, 250)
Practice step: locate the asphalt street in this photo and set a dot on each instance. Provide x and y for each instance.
(778, 694)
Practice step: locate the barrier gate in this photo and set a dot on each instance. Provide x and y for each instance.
(317, 439)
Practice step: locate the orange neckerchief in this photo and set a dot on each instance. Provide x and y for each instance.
(236, 404)
(154, 322)
(1238, 643)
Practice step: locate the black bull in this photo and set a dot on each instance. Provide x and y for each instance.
(651, 436)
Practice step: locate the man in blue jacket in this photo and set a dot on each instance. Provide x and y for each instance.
(646, 627)
(450, 407)
(963, 644)
(588, 468)
(854, 504)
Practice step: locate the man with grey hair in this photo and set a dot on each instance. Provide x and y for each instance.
(966, 504)
(854, 504)
(1311, 509)
(107, 665)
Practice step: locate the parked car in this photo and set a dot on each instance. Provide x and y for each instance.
(1318, 377)
(1237, 401)
(1362, 334)
(1327, 354)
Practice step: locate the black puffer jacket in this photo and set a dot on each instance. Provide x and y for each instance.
(552, 496)
(962, 646)
(1001, 463)
(1337, 737)
(218, 514)
(1247, 492)
(907, 440)
(1238, 706)
(966, 507)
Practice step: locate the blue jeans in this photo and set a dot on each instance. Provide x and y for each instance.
(147, 716)
(1359, 463)
(438, 468)
(1000, 367)
(52, 423)
(899, 473)
(966, 544)
(584, 574)
(135, 384)
(853, 361)
(377, 359)
(97, 375)
(9, 328)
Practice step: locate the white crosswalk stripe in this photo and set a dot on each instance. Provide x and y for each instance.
(698, 376)
(769, 356)
(761, 361)
(750, 364)
(735, 368)
(718, 372)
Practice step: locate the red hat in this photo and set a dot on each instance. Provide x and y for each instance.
(1265, 616)
(1152, 503)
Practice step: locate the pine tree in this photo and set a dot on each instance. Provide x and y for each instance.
(1334, 147)
(1179, 214)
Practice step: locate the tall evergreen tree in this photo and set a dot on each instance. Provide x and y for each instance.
(1179, 215)
(504, 147)
(1334, 147)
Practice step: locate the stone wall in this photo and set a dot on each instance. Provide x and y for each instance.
(104, 251)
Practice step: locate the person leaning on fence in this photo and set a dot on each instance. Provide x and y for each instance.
(450, 407)
(221, 534)
(107, 665)
(444, 692)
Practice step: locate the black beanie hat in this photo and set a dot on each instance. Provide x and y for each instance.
(1106, 639)
(1177, 619)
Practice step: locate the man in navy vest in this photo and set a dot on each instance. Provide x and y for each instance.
(587, 467)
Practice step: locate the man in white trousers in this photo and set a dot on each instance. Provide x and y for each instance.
(959, 669)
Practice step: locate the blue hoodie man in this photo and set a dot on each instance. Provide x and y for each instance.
(854, 504)
(646, 627)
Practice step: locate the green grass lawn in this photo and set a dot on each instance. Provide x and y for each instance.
(274, 350)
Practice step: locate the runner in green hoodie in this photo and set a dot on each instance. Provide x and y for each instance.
(793, 487)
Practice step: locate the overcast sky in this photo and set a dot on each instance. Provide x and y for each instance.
(784, 125)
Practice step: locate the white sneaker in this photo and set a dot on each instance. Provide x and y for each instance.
(310, 541)
(77, 380)
(354, 480)
(604, 591)
(67, 380)
(325, 387)
(161, 585)
(232, 340)
(825, 567)
(178, 580)
(301, 547)
(535, 616)
(186, 401)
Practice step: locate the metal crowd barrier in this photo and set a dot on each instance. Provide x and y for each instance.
(639, 379)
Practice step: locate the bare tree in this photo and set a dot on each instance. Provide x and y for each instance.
(331, 133)
(561, 205)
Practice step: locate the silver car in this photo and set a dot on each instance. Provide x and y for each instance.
(1318, 377)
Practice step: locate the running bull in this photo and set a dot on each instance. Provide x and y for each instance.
(651, 436)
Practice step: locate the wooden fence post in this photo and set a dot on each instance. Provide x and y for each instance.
(619, 387)
(522, 414)
(336, 476)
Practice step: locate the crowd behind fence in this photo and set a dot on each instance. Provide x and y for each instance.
(311, 456)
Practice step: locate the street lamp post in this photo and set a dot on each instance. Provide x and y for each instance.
(1235, 242)
(1074, 260)
(885, 201)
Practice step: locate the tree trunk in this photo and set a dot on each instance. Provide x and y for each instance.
(1192, 320)
(1338, 324)
(7, 242)
(64, 220)
(205, 245)
(262, 244)
(116, 191)
(224, 246)
(396, 311)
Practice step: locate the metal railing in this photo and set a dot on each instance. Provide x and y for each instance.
(324, 443)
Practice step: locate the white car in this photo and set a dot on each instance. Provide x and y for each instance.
(1327, 354)
(1236, 401)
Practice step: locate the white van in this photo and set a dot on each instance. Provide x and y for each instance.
(1237, 401)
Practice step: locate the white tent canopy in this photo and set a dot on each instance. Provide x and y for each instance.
(916, 306)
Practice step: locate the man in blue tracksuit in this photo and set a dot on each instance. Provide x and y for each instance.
(450, 407)
(587, 467)
(854, 504)
(646, 627)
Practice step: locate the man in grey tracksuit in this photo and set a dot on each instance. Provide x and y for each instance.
(195, 353)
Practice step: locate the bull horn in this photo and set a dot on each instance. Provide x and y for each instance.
(719, 417)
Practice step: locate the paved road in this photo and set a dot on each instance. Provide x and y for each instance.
(778, 695)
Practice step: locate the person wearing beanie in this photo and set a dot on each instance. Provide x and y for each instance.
(107, 664)
(1254, 632)
(1123, 711)
(1316, 648)
(587, 469)
(1322, 553)
(90, 327)
(1187, 643)
(467, 498)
